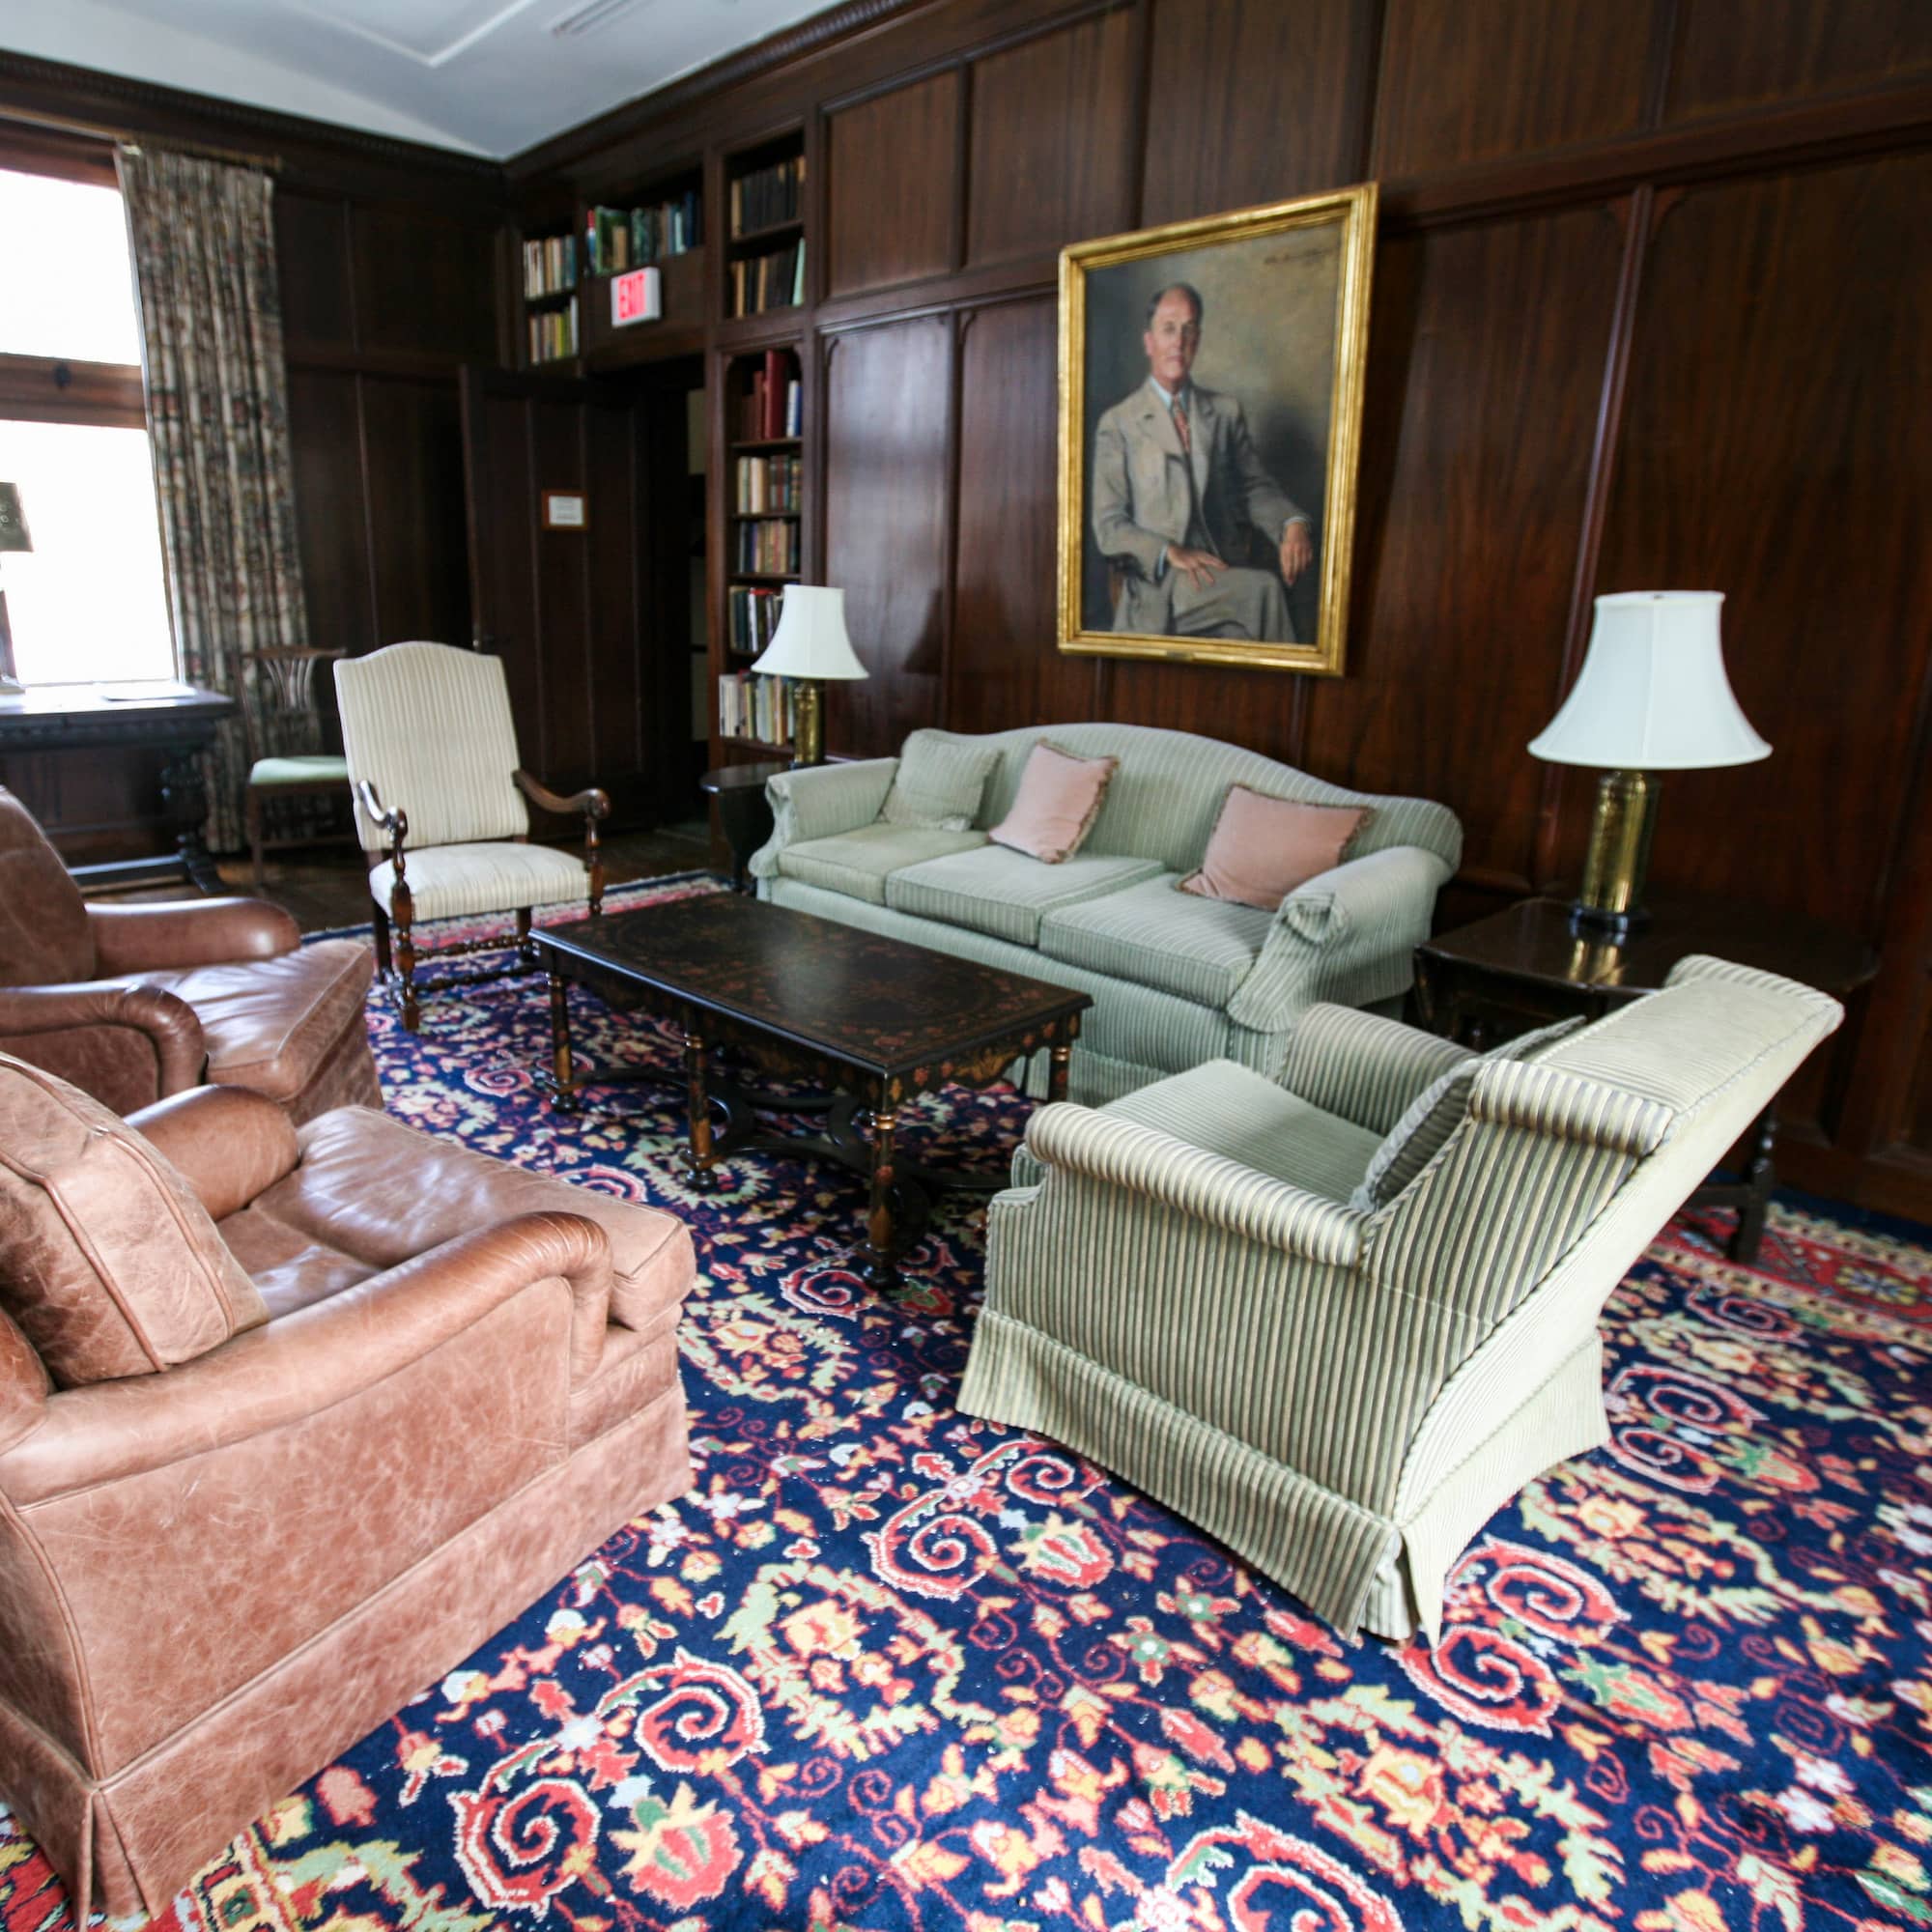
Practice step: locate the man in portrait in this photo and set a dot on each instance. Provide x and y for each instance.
(1176, 491)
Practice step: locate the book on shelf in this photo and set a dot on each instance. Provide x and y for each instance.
(751, 706)
(549, 265)
(769, 483)
(773, 403)
(767, 196)
(764, 282)
(618, 238)
(752, 616)
(553, 333)
(768, 546)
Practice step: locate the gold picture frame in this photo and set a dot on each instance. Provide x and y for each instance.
(1276, 417)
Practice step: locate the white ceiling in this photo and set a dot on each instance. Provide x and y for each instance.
(491, 76)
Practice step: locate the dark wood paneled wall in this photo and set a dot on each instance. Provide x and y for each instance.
(1651, 304)
(389, 255)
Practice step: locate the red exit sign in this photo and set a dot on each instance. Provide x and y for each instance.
(634, 297)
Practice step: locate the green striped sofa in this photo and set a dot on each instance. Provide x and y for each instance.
(1176, 979)
(1178, 1288)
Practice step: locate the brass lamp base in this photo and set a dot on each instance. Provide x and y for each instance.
(1611, 900)
(809, 721)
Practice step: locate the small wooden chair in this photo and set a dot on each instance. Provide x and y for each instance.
(285, 691)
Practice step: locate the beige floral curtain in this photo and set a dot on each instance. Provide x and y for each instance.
(204, 247)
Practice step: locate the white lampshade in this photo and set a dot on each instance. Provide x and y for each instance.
(1652, 696)
(810, 640)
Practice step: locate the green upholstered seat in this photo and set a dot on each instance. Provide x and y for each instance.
(316, 768)
(857, 862)
(1005, 893)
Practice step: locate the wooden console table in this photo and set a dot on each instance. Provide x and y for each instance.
(177, 721)
(1527, 965)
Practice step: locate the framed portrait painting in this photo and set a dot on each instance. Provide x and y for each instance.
(1211, 395)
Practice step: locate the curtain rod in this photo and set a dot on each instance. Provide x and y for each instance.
(122, 138)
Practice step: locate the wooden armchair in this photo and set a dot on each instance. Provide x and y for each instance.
(443, 805)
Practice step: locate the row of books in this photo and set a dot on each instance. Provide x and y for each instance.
(769, 482)
(749, 706)
(751, 614)
(616, 239)
(768, 548)
(761, 282)
(774, 405)
(767, 196)
(553, 333)
(549, 265)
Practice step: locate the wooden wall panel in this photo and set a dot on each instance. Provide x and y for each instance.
(413, 440)
(1470, 80)
(331, 509)
(1217, 138)
(312, 267)
(424, 281)
(616, 694)
(1004, 665)
(563, 596)
(891, 168)
(1050, 158)
(504, 569)
(886, 440)
(1793, 49)
(1773, 449)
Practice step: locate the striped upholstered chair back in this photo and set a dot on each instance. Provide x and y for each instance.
(429, 726)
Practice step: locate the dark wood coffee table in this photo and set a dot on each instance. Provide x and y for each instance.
(875, 1020)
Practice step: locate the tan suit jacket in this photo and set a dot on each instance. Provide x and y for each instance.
(1142, 502)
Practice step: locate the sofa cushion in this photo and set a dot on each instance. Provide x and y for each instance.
(1056, 804)
(108, 1262)
(271, 1024)
(938, 783)
(858, 863)
(1154, 936)
(1006, 893)
(1232, 1110)
(1263, 848)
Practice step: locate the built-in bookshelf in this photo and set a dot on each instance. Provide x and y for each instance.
(764, 537)
(551, 264)
(764, 247)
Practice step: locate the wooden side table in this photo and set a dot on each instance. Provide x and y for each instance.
(1527, 965)
(743, 813)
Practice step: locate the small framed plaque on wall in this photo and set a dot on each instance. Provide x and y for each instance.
(565, 510)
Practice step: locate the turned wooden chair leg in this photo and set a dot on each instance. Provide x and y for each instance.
(402, 911)
(385, 962)
(526, 952)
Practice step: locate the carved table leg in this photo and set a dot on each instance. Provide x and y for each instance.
(563, 1093)
(699, 1156)
(1058, 1060)
(1760, 1177)
(880, 1264)
(185, 800)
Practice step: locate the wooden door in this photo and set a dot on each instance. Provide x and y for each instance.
(579, 602)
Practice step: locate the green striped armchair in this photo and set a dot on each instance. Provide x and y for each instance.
(1339, 1319)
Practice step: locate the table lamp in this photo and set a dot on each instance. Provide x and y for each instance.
(12, 537)
(1652, 697)
(809, 646)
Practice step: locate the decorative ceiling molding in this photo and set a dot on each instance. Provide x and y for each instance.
(790, 43)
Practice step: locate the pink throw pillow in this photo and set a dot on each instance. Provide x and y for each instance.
(1056, 805)
(1263, 848)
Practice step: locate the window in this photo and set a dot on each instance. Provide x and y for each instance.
(88, 604)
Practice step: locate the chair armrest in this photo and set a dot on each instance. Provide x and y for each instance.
(1363, 1067)
(188, 932)
(593, 800)
(1348, 935)
(1206, 1186)
(170, 1024)
(229, 1145)
(819, 802)
(393, 825)
(306, 1362)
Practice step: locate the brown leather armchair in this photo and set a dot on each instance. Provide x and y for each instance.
(137, 1002)
(291, 1420)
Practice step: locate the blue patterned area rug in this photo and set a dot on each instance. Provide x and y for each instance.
(886, 1666)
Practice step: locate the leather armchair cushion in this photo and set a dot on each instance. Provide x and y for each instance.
(108, 1262)
(271, 1023)
(43, 932)
(370, 1193)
